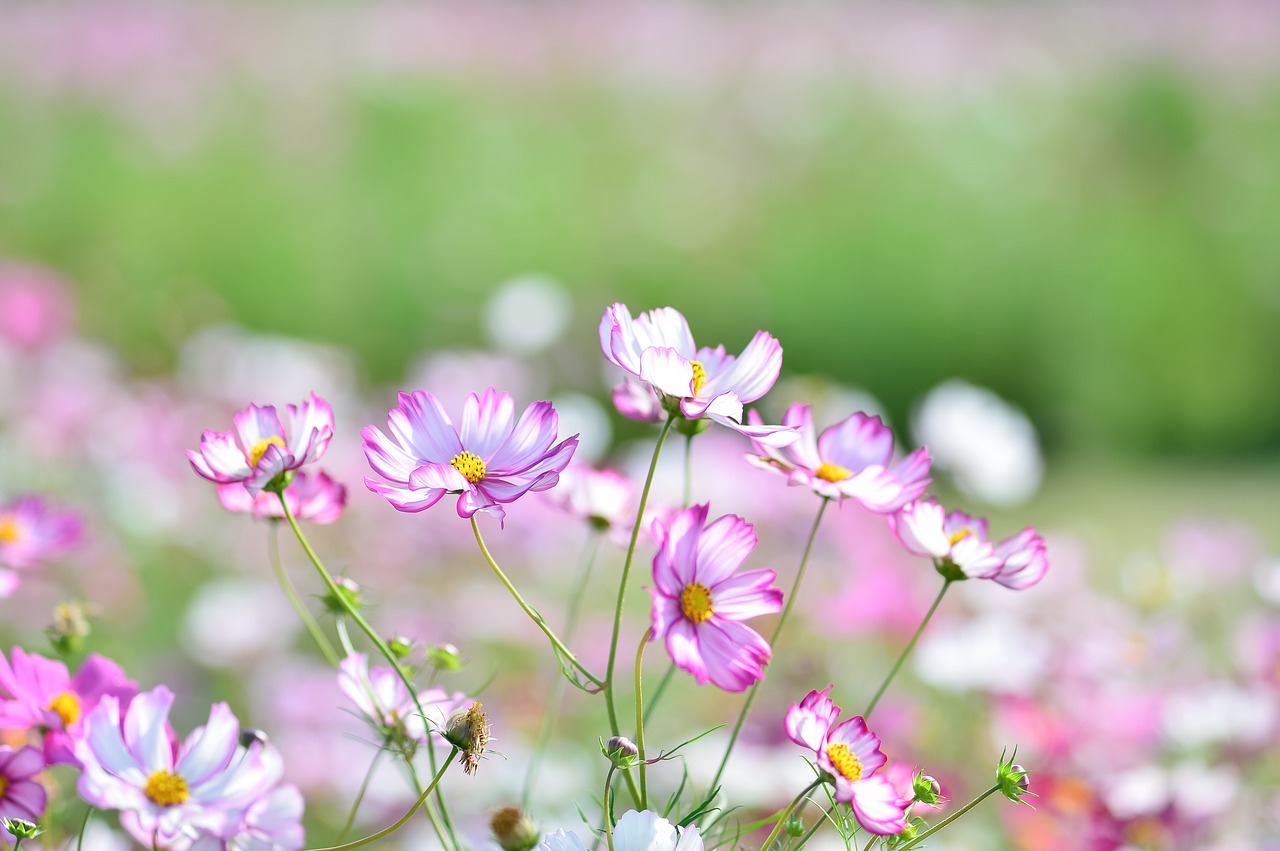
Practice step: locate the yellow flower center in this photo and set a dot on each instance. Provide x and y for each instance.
(167, 790)
(260, 448)
(10, 531)
(832, 472)
(470, 465)
(957, 537)
(67, 705)
(695, 602)
(699, 377)
(844, 762)
(4, 787)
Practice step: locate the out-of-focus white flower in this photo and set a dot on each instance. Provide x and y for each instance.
(1202, 791)
(233, 620)
(1141, 791)
(1218, 713)
(1267, 582)
(996, 653)
(527, 314)
(989, 447)
(586, 417)
(231, 363)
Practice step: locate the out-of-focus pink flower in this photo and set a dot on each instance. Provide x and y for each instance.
(959, 546)
(491, 460)
(168, 791)
(31, 532)
(381, 697)
(34, 305)
(700, 599)
(21, 796)
(270, 822)
(851, 458)
(267, 448)
(657, 349)
(603, 498)
(38, 694)
(311, 496)
(851, 755)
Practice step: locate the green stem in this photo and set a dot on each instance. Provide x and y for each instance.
(777, 630)
(907, 651)
(644, 790)
(870, 842)
(317, 634)
(387, 831)
(823, 819)
(688, 470)
(608, 807)
(364, 787)
(530, 611)
(660, 690)
(786, 814)
(83, 827)
(949, 819)
(344, 637)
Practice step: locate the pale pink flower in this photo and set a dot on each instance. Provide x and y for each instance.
(311, 496)
(268, 445)
(958, 544)
(31, 531)
(382, 699)
(34, 305)
(603, 498)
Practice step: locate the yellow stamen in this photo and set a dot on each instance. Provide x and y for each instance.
(957, 537)
(699, 377)
(167, 790)
(4, 787)
(695, 602)
(260, 448)
(832, 472)
(67, 706)
(10, 531)
(843, 760)
(470, 465)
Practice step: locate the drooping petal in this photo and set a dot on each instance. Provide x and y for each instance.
(1025, 560)
(406, 499)
(438, 477)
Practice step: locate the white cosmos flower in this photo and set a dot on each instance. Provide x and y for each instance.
(635, 831)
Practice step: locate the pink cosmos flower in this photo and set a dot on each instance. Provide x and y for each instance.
(266, 448)
(31, 532)
(850, 754)
(699, 599)
(852, 458)
(38, 694)
(168, 791)
(270, 822)
(21, 796)
(380, 696)
(657, 349)
(489, 461)
(314, 497)
(603, 498)
(959, 546)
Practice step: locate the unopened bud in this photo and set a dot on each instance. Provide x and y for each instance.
(345, 597)
(21, 828)
(1013, 780)
(251, 736)
(621, 751)
(401, 646)
(926, 789)
(794, 826)
(1024, 776)
(444, 657)
(513, 829)
(69, 629)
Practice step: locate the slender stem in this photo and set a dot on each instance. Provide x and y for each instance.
(608, 807)
(907, 651)
(387, 831)
(364, 787)
(660, 690)
(786, 814)
(870, 842)
(777, 630)
(83, 827)
(344, 637)
(626, 574)
(688, 470)
(644, 791)
(949, 819)
(317, 634)
(541, 623)
(823, 819)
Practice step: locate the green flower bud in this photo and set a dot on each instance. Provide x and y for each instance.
(1013, 779)
(21, 828)
(347, 595)
(513, 829)
(926, 789)
(444, 657)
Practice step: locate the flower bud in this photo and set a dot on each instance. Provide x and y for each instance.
(69, 629)
(794, 827)
(1013, 779)
(926, 789)
(444, 657)
(345, 597)
(621, 751)
(21, 828)
(401, 646)
(513, 829)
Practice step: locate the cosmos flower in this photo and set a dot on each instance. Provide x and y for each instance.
(31, 532)
(850, 754)
(852, 458)
(267, 448)
(699, 600)
(311, 496)
(603, 498)
(270, 822)
(21, 796)
(657, 349)
(382, 699)
(959, 546)
(491, 460)
(635, 831)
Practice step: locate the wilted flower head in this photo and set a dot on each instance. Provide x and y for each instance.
(311, 496)
(635, 831)
(489, 461)
(268, 446)
(31, 531)
(960, 549)
(853, 458)
(657, 349)
(468, 730)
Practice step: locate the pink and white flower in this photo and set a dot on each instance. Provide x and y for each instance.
(268, 446)
(850, 755)
(21, 795)
(699, 600)
(381, 697)
(658, 350)
(603, 498)
(270, 822)
(960, 548)
(853, 458)
(31, 531)
(489, 461)
(311, 496)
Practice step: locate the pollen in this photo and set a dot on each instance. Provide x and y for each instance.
(260, 448)
(956, 537)
(470, 465)
(832, 472)
(10, 531)
(695, 602)
(165, 789)
(849, 766)
(699, 377)
(67, 707)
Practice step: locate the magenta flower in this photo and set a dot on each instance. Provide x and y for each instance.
(657, 349)
(38, 694)
(960, 549)
(21, 796)
(699, 599)
(490, 461)
(383, 701)
(850, 755)
(31, 532)
(266, 448)
(314, 497)
(852, 458)
(168, 791)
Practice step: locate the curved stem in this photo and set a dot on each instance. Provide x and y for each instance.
(870, 842)
(688, 470)
(541, 623)
(786, 814)
(949, 819)
(608, 807)
(317, 634)
(344, 637)
(644, 790)
(387, 831)
(660, 690)
(823, 819)
(777, 630)
(907, 651)
(364, 787)
(83, 827)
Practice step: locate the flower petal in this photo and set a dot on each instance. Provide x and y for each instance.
(422, 427)
(208, 750)
(667, 371)
(486, 422)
